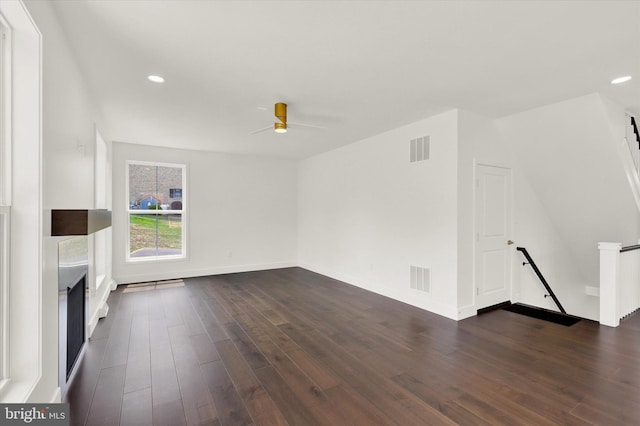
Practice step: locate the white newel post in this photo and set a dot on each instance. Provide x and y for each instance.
(609, 283)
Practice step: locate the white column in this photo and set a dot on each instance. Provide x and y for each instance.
(609, 283)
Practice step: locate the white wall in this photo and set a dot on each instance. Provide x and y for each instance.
(242, 213)
(69, 117)
(366, 214)
(535, 230)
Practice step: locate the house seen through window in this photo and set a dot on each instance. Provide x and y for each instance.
(156, 211)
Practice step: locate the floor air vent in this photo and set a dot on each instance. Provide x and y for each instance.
(419, 149)
(421, 279)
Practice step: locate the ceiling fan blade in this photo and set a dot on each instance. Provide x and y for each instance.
(270, 127)
(305, 125)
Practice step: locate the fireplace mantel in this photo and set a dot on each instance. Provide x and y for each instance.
(78, 222)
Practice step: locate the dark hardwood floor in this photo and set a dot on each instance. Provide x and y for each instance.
(292, 347)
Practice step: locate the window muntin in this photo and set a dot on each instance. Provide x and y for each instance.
(156, 211)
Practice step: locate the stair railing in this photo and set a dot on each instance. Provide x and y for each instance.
(632, 135)
(544, 282)
(635, 129)
(619, 282)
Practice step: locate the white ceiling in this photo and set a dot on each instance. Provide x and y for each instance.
(357, 67)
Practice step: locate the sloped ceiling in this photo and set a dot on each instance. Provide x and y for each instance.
(358, 68)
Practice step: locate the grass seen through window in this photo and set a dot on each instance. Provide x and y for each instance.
(148, 231)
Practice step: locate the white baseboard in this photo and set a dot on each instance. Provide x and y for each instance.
(103, 311)
(335, 275)
(57, 396)
(138, 278)
(113, 285)
(430, 306)
(467, 311)
(100, 312)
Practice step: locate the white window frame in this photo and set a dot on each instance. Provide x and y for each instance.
(5, 195)
(182, 212)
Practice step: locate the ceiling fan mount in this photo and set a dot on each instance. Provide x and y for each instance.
(281, 125)
(280, 111)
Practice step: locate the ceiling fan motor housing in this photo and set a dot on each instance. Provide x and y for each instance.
(281, 114)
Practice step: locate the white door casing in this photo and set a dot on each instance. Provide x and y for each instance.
(492, 235)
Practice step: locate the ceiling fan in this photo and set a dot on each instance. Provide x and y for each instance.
(281, 125)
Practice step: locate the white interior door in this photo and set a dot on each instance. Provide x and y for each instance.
(493, 228)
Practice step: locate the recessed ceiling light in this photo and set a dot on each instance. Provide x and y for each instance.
(621, 79)
(155, 78)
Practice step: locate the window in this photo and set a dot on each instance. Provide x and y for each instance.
(156, 211)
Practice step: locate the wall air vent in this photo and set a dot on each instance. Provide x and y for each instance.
(419, 149)
(421, 279)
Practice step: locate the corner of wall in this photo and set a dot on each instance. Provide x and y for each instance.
(479, 142)
(368, 228)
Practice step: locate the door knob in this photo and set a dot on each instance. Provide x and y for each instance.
(509, 242)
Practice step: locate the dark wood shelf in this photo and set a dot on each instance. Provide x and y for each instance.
(78, 222)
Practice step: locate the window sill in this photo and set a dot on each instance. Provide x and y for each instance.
(151, 259)
(17, 390)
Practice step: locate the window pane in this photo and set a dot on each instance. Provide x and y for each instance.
(142, 235)
(142, 186)
(155, 235)
(155, 187)
(170, 187)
